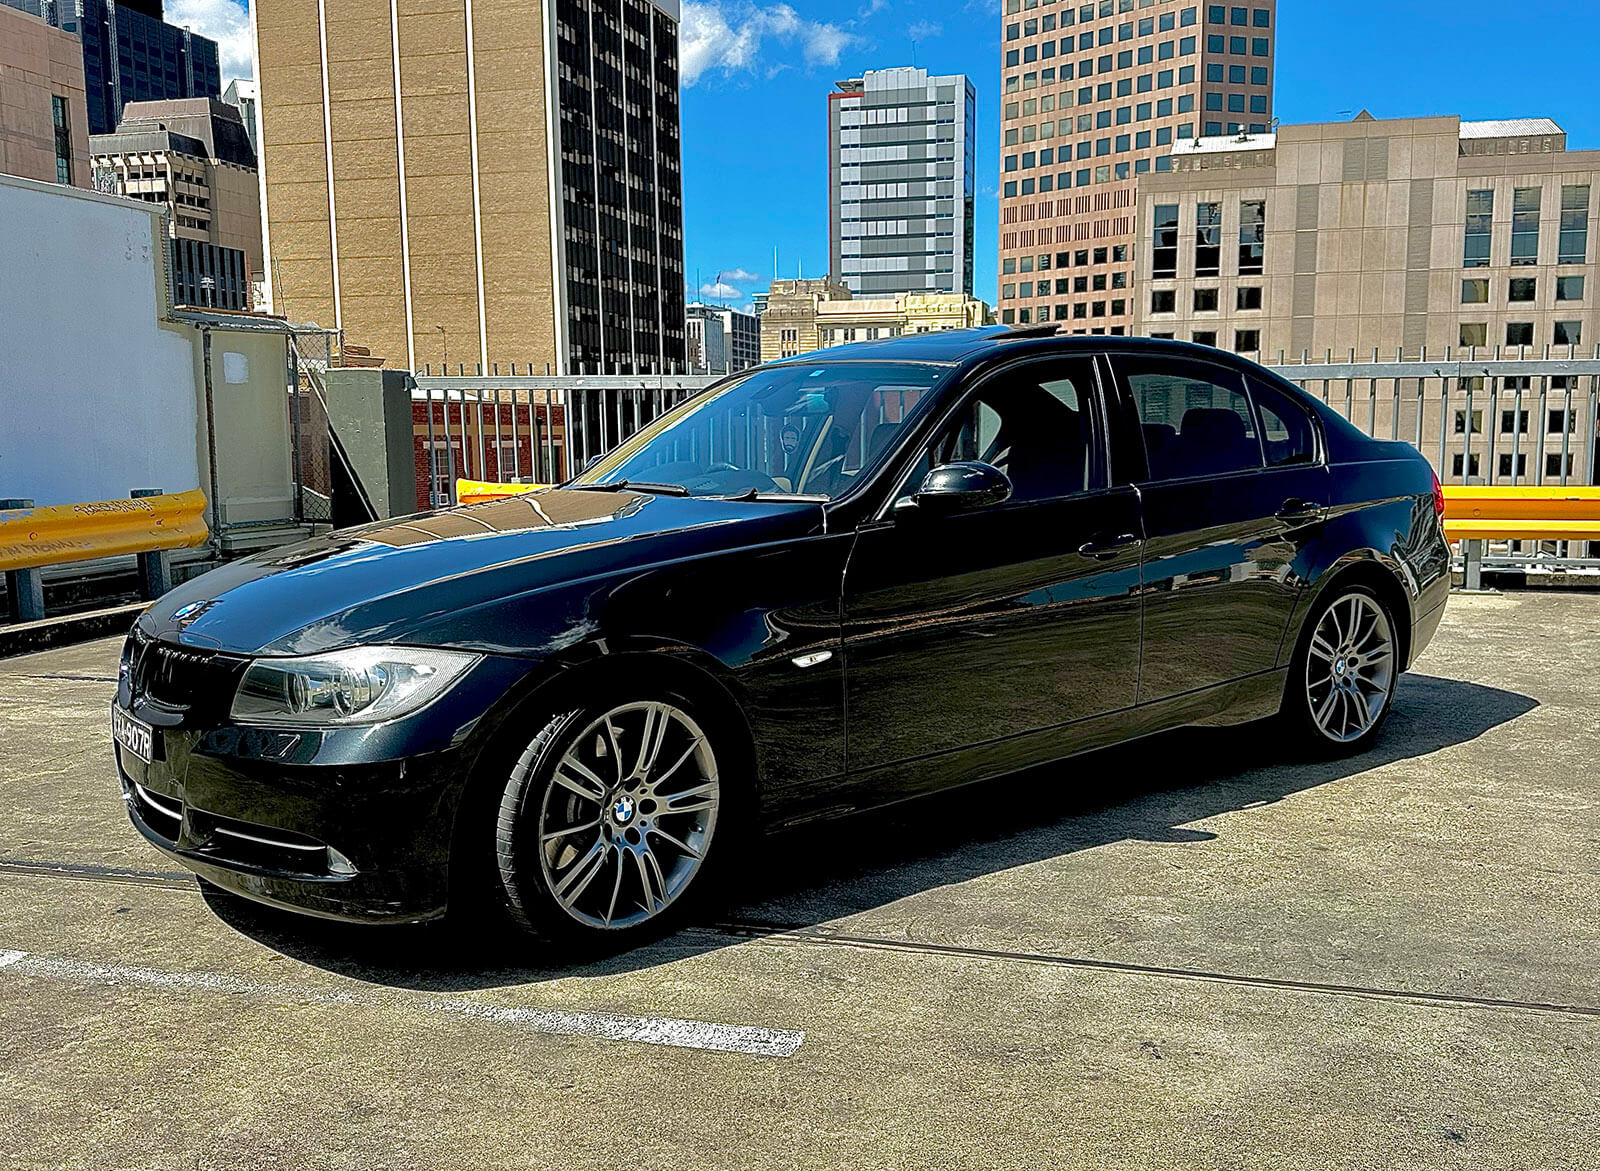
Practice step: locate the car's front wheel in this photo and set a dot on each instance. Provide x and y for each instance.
(608, 822)
(1341, 684)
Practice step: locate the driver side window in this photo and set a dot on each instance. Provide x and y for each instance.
(1034, 423)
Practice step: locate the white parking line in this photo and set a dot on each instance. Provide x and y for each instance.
(751, 1040)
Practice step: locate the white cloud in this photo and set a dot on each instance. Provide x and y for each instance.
(731, 37)
(737, 274)
(227, 23)
(922, 30)
(720, 291)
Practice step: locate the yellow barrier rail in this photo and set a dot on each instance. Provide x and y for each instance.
(1501, 512)
(61, 533)
(477, 491)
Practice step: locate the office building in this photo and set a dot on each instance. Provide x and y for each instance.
(802, 316)
(900, 183)
(722, 339)
(1394, 237)
(241, 94)
(131, 55)
(1095, 98)
(192, 156)
(43, 120)
(477, 185)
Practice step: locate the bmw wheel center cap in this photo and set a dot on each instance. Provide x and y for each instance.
(622, 809)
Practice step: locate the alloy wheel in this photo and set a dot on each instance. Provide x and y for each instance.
(1350, 670)
(628, 815)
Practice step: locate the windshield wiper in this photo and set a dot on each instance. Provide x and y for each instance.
(636, 486)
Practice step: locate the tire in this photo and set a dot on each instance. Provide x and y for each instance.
(1342, 677)
(611, 827)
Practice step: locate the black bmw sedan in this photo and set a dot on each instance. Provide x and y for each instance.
(825, 584)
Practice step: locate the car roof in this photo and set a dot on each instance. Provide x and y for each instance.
(966, 346)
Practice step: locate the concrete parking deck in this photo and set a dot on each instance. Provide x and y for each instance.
(1178, 955)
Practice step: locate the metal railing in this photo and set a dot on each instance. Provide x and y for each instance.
(1479, 416)
(505, 428)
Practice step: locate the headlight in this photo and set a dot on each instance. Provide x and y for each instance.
(363, 685)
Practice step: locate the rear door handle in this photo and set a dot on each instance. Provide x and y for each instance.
(1103, 547)
(1297, 511)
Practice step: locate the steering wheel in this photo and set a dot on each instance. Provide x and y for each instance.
(829, 473)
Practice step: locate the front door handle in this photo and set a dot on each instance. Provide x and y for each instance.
(1296, 511)
(1104, 546)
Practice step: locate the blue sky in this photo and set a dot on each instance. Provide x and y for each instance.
(754, 111)
(756, 78)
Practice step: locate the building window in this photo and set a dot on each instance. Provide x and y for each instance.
(1164, 249)
(1519, 333)
(1204, 337)
(1249, 297)
(1525, 226)
(1246, 341)
(1252, 236)
(1474, 333)
(1475, 291)
(1477, 422)
(1561, 420)
(1569, 288)
(1208, 239)
(1553, 465)
(1456, 465)
(1513, 422)
(1480, 223)
(1523, 288)
(1521, 464)
(63, 132)
(1205, 300)
(1163, 301)
(1568, 333)
(1573, 245)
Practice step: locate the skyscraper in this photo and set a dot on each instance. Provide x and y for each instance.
(477, 182)
(1096, 95)
(131, 55)
(900, 182)
(241, 94)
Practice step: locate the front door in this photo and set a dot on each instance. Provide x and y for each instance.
(995, 627)
(1232, 491)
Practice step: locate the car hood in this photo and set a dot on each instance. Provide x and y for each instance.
(391, 580)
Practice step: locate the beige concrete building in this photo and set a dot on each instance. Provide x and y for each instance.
(474, 182)
(789, 315)
(192, 156)
(1350, 240)
(812, 315)
(1095, 98)
(44, 123)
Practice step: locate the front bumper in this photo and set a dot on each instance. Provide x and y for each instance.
(366, 845)
(353, 823)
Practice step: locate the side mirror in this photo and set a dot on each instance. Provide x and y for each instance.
(958, 487)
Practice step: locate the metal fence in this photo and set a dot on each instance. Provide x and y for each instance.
(507, 428)
(1493, 417)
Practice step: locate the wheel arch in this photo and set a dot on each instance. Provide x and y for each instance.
(1364, 567)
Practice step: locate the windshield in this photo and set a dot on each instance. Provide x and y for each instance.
(803, 430)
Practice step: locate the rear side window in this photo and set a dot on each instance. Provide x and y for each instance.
(1195, 419)
(1286, 433)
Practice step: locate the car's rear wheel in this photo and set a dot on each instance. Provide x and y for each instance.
(609, 820)
(1341, 684)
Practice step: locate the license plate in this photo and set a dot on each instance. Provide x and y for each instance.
(134, 735)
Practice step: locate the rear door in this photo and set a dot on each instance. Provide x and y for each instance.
(983, 628)
(1233, 489)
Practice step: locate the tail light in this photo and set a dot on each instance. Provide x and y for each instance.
(1438, 497)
